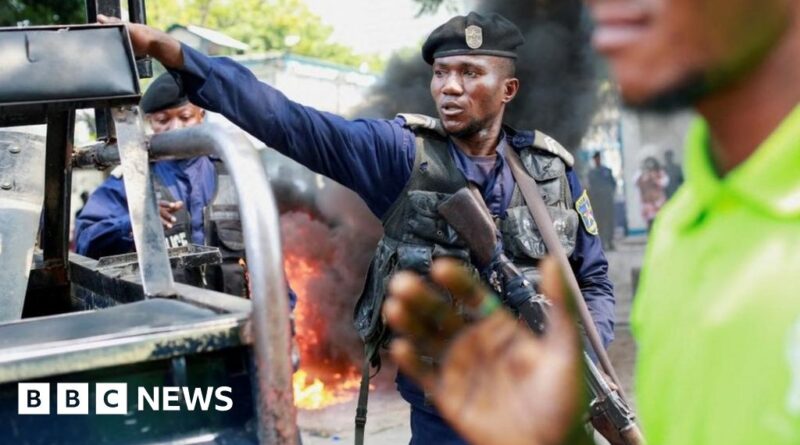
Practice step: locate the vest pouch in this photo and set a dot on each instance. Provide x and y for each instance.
(230, 237)
(542, 168)
(553, 191)
(367, 317)
(459, 253)
(414, 258)
(424, 221)
(522, 239)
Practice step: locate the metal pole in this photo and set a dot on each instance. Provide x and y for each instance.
(270, 316)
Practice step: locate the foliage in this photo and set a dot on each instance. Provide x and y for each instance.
(41, 12)
(262, 24)
(431, 6)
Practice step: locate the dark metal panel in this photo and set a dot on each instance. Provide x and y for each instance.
(109, 8)
(58, 188)
(138, 14)
(212, 427)
(105, 69)
(22, 158)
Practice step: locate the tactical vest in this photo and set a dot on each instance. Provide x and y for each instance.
(415, 234)
(222, 229)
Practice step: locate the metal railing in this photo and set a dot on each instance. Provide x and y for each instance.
(270, 313)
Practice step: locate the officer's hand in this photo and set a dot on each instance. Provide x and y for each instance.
(167, 210)
(147, 41)
(496, 383)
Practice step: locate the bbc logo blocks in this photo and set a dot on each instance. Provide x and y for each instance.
(72, 398)
(33, 398)
(112, 398)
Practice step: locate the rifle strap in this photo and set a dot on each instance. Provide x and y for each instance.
(541, 216)
(363, 396)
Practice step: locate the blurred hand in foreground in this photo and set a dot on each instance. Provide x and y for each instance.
(494, 382)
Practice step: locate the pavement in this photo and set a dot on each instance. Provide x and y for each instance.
(388, 418)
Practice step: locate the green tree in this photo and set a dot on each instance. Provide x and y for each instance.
(431, 6)
(262, 24)
(41, 12)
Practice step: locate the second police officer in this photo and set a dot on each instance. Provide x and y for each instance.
(196, 200)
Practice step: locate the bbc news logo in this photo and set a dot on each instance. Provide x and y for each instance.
(112, 398)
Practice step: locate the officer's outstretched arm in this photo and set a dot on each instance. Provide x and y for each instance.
(151, 42)
(496, 382)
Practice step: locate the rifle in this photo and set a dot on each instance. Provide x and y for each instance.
(468, 215)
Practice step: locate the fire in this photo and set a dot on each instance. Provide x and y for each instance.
(322, 380)
(311, 393)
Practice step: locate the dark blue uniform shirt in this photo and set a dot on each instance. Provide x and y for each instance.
(103, 227)
(372, 157)
(375, 158)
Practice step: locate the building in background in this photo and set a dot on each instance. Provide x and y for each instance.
(625, 138)
(647, 134)
(323, 85)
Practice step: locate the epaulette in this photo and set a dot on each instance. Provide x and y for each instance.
(550, 145)
(417, 121)
(116, 172)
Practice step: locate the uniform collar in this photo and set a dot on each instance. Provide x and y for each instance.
(768, 180)
(518, 139)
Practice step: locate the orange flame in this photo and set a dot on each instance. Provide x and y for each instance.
(315, 385)
(312, 394)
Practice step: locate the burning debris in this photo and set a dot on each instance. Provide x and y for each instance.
(326, 253)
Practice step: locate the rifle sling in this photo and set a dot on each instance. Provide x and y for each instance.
(363, 396)
(533, 199)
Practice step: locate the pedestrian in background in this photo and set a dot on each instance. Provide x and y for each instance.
(652, 181)
(602, 188)
(674, 171)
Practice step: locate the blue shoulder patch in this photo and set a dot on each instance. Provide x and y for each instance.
(584, 208)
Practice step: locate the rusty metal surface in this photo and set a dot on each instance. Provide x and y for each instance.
(148, 233)
(132, 346)
(22, 158)
(270, 331)
(270, 315)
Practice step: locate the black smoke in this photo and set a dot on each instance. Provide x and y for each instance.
(556, 67)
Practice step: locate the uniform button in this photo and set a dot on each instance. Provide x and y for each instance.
(519, 140)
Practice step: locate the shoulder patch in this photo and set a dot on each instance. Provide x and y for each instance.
(584, 208)
(421, 121)
(550, 145)
(116, 172)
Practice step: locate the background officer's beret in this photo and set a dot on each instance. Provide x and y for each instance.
(165, 92)
(490, 34)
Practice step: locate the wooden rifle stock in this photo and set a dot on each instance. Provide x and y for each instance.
(469, 217)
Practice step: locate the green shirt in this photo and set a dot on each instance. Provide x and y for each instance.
(717, 315)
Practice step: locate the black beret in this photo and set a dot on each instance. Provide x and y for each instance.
(165, 92)
(490, 34)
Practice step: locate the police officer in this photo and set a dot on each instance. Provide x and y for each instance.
(602, 187)
(196, 200)
(404, 167)
(716, 316)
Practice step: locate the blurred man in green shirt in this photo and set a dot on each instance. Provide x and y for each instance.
(717, 316)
